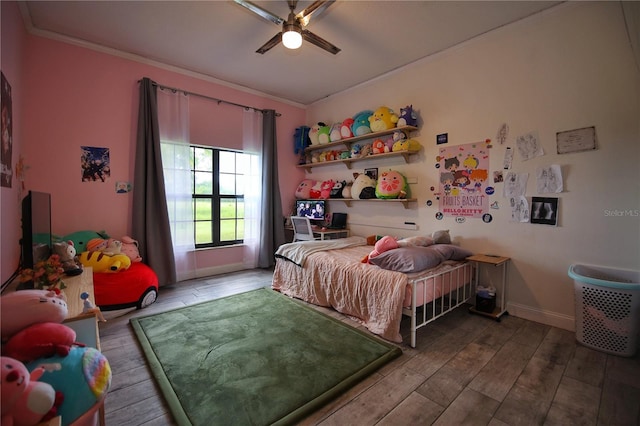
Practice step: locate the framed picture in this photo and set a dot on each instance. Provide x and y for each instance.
(544, 210)
(576, 140)
(372, 173)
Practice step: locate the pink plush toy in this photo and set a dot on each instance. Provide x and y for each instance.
(41, 341)
(303, 191)
(385, 243)
(325, 188)
(130, 248)
(23, 308)
(25, 401)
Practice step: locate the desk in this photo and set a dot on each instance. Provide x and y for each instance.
(331, 234)
(495, 261)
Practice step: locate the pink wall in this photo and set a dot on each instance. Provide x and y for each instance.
(13, 41)
(77, 97)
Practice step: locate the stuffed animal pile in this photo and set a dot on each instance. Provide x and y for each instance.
(105, 254)
(362, 123)
(43, 367)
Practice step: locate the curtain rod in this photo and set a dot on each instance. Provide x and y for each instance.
(219, 101)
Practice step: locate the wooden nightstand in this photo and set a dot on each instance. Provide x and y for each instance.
(495, 261)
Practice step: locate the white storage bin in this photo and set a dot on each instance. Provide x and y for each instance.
(607, 308)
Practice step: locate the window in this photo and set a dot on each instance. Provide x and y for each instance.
(218, 178)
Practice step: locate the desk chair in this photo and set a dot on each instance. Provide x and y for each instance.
(302, 230)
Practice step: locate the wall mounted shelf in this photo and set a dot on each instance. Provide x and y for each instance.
(348, 201)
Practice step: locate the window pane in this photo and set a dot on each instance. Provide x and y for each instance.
(202, 209)
(204, 183)
(203, 232)
(242, 163)
(227, 184)
(240, 179)
(240, 204)
(240, 229)
(227, 162)
(227, 230)
(227, 209)
(184, 233)
(203, 159)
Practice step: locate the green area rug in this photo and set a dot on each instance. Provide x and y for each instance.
(255, 358)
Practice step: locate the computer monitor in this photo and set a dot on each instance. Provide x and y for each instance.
(313, 209)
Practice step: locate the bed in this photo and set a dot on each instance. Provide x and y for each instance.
(331, 274)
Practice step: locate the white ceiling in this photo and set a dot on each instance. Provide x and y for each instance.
(219, 38)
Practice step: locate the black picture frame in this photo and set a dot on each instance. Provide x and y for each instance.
(544, 210)
(372, 173)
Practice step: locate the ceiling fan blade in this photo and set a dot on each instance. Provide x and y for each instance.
(270, 44)
(320, 42)
(264, 14)
(315, 9)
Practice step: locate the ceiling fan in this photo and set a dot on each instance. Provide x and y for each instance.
(293, 31)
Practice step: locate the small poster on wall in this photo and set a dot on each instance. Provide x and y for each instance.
(95, 164)
(7, 133)
(544, 210)
(464, 172)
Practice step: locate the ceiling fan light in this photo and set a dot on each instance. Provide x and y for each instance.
(292, 39)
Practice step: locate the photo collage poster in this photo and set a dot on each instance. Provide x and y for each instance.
(464, 180)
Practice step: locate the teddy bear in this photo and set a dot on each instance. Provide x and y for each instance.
(345, 128)
(25, 400)
(131, 248)
(360, 125)
(67, 252)
(408, 117)
(364, 187)
(382, 119)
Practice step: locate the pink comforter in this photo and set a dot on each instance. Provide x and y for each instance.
(337, 279)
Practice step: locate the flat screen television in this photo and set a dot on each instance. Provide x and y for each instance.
(36, 228)
(313, 209)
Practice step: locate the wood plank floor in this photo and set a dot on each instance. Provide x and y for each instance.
(467, 369)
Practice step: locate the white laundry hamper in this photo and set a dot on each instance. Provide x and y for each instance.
(607, 308)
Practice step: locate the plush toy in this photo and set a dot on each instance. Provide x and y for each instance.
(360, 124)
(315, 157)
(410, 145)
(83, 377)
(336, 191)
(382, 119)
(20, 309)
(391, 184)
(346, 191)
(388, 143)
(364, 187)
(313, 134)
(334, 134)
(67, 252)
(303, 191)
(323, 157)
(385, 243)
(81, 238)
(356, 148)
(108, 246)
(366, 150)
(378, 147)
(25, 400)
(41, 340)
(345, 155)
(345, 128)
(300, 139)
(325, 188)
(102, 262)
(398, 136)
(316, 190)
(130, 248)
(408, 117)
(323, 133)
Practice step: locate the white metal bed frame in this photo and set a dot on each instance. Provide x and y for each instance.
(437, 307)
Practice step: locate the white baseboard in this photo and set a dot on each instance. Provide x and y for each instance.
(544, 317)
(218, 270)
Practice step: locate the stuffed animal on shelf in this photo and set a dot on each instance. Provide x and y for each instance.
(382, 119)
(325, 188)
(336, 191)
(379, 147)
(364, 187)
(360, 124)
(391, 184)
(345, 128)
(131, 248)
(385, 243)
(313, 134)
(20, 309)
(346, 191)
(408, 117)
(356, 149)
(25, 400)
(410, 145)
(303, 191)
(102, 262)
(334, 134)
(345, 155)
(67, 252)
(323, 133)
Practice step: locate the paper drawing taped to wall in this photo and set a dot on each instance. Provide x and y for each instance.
(549, 179)
(95, 164)
(515, 184)
(464, 171)
(529, 146)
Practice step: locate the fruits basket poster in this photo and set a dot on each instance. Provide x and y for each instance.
(464, 172)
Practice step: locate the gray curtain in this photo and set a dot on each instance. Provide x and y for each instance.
(150, 215)
(272, 231)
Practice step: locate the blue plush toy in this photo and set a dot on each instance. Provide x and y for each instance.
(408, 117)
(360, 124)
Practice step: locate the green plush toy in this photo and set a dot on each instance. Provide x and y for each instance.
(391, 184)
(81, 238)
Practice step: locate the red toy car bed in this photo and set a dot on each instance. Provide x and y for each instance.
(136, 286)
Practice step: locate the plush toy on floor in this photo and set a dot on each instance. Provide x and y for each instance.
(25, 400)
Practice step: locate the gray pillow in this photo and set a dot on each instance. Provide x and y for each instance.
(408, 259)
(451, 252)
(441, 237)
